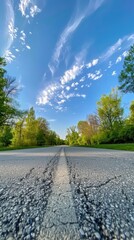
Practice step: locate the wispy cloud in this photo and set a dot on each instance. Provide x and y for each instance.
(34, 10)
(125, 53)
(28, 47)
(92, 63)
(95, 76)
(118, 59)
(113, 73)
(23, 37)
(72, 26)
(9, 56)
(17, 50)
(47, 94)
(28, 8)
(51, 120)
(113, 49)
(71, 74)
(122, 43)
(11, 31)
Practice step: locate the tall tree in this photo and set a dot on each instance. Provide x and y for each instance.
(42, 131)
(131, 118)
(8, 109)
(126, 77)
(110, 111)
(85, 131)
(5, 135)
(72, 136)
(30, 130)
(18, 131)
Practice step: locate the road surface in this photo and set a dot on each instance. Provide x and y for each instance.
(65, 193)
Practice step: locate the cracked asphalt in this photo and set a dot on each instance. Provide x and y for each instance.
(67, 193)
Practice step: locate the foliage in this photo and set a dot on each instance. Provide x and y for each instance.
(5, 136)
(72, 137)
(29, 131)
(108, 126)
(8, 88)
(110, 111)
(126, 77)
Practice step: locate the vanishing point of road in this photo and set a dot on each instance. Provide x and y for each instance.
(66, 193)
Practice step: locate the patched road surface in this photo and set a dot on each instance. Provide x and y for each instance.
(66, 193)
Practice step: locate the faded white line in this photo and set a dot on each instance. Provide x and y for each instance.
(60, 221)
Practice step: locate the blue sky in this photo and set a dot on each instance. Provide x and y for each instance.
(65, 54)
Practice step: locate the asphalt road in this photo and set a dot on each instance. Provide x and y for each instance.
(66, 193)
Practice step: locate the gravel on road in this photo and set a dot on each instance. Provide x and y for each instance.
(65, 193)
(103, 190)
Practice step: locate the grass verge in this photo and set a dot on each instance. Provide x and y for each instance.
(119, 146)
(21, 147)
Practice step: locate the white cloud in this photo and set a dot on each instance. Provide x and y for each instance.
(47, 94)
(113, 73)
(23, 5)
(23, 37)
(95, 76)
(88, 85)
(12, 30)
(51, 68)
(89, 65)
(82, 86)
(17, 50)
(51, 120)
(125, 53)
(113, 49)
(131, 37)
(28, 8)
(82, 79)
(61, 101)
(118, 59)
(124, 42)
(71, 74)
(92, 63)
(9, 56)
(80, 95)
(95, 61)
(34, 10)
(110, 64)
(74, 84)
(28, 47)
(67, 88)
(98, 72)
(73, 25)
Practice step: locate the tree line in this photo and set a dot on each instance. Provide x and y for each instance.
(17, 127)
(109, 125)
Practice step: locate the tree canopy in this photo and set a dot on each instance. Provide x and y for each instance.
(126, 77)
(8, 87)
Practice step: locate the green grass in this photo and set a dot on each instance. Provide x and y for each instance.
(120, 146)
(20, 147)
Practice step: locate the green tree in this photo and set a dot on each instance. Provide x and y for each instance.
(18, 131)
(126, 77)
(85, 132)
(8, 109)
(72, 136)
(42, 131)
(110, 111)
(131, 117)
(30, 130)
(5, 136)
